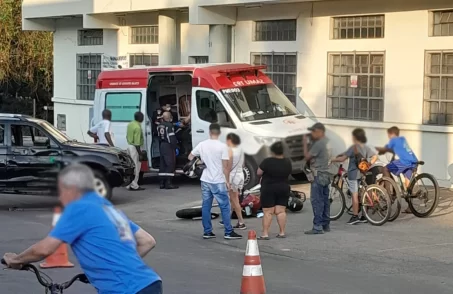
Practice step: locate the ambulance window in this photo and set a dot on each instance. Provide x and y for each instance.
(123, 105)
(210, 109)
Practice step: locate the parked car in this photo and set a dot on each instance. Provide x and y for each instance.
(33, 151)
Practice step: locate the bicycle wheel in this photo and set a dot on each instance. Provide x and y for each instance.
(336, 201)
(426, 195)
(395, 196)
(376, 202)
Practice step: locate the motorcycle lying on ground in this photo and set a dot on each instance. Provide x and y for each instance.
(250, 203)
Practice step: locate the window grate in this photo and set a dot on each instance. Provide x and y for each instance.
(145, 35)
(358, 27)
(146, 59)
(90, 37)
(438, 94)
(282, 69)
(198, 59)
(88, 69)
(442, 23)
(275, 30)
(355, 88)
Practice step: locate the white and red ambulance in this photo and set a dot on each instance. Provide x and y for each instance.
(239, 97)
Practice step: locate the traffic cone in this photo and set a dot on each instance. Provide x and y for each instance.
(252, 274)
(60, 257)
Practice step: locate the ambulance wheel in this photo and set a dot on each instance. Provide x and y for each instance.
(250, 177)
(302, 177)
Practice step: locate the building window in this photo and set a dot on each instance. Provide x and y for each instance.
(146, 59)
(145, 35)
(91, 37)
(275, 30)
(442, 23)
(438, 98)
(355, 88)
(198, 59)
(282, 69)
(358, 27)
(88, 68)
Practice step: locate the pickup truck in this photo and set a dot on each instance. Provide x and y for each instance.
(33, 151)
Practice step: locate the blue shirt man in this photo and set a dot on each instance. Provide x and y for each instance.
(406, 158)
(102, 239)
(108, 246)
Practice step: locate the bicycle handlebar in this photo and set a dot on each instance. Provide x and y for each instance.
(29, 267)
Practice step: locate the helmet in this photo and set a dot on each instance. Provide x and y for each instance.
(194, 168)
(295, 204)
(364, 166)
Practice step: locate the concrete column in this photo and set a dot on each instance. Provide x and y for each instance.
(219, 42)
(168, 36)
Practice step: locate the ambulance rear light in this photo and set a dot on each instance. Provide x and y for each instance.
(243, 69)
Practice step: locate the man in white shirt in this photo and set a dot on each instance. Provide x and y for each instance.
(101, 132)
(214, 181)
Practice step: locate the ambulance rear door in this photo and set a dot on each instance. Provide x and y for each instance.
(123, 103)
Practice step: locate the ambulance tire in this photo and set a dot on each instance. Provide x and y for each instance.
(250, 177)
(302, 177)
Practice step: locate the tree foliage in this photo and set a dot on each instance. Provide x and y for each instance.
(26, 58)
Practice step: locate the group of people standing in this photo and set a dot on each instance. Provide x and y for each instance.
(163, 129)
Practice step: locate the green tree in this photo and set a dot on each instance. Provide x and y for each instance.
(26, 61)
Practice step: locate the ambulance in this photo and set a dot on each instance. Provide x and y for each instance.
(239, 97)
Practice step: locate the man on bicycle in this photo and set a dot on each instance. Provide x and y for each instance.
(108, 246)
(407, 160)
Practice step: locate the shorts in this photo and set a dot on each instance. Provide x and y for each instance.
(237, 181)
(274, 194)
(397, 168)
(353, 185)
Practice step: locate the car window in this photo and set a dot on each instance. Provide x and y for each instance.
(29, 136)
(2, 134)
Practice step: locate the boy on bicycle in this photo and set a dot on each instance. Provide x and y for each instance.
(407, 159)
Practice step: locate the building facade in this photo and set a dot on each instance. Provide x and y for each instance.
(350, 63)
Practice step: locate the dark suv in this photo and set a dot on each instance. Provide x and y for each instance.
(32, 151)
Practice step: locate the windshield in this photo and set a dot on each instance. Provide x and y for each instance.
(56, 133)
(259, 102)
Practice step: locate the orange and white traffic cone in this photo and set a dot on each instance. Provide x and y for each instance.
(252, 274)
(60, 257)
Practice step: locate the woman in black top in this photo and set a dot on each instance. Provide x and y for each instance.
(274, 172)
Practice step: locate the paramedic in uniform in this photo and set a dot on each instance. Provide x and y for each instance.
(167, 149)
(157, 117)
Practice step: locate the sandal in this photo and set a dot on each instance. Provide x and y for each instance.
(281, 236)
(263, 238)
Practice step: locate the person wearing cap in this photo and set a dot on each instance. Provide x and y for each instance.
(318, 157)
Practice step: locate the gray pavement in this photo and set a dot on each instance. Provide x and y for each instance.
(409, 255)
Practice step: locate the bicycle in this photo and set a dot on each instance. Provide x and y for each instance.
(50, 287)
(367, 201)
(336, 193)
(412, 192)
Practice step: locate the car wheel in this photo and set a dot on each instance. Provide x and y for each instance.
(102, 186)
(250, 177)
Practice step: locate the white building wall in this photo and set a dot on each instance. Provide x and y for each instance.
(406, 39)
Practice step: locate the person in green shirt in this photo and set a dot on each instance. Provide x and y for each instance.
(135, 140)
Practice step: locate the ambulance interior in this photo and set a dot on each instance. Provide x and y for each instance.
(176, 89)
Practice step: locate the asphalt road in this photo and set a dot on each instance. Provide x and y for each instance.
(408, 256)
